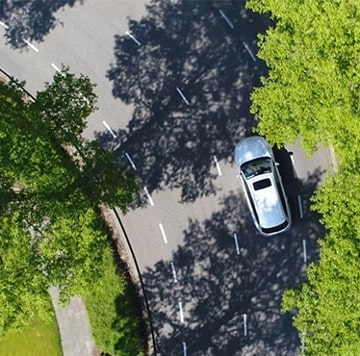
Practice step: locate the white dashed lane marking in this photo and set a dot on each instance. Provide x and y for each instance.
(184, 348)
(4, 25)
(133, 38)
(130, 161)
(148, 196)
(109, 128)
(304, 250)
(31, 46)
(236, 244)
(173, 272)
(249, 51)
(217, 166)
(301, 211)
(226, 19)
(163, 233)
(245, 325)
(181, 313)
(56, 67)
(183, 97)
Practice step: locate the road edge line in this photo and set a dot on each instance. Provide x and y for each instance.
(124, 244)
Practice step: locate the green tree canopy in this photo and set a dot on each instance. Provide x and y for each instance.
(23, 285)
(111, 183)
(66, 103)
(328, 303)
(312, 89)
(312, 92)
(50, 229)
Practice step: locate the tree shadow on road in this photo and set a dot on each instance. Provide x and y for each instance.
(216, 286)
(30, 20)
(185, 46)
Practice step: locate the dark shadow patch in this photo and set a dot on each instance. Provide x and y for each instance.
(30, 20)
(185, 45)
(216, 286)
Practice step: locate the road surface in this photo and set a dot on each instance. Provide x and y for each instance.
(173, 85)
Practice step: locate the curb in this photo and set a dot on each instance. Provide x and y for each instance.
(127, 255)
(10, 78)
(333, 160)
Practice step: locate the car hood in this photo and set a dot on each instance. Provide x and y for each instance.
(251, 148)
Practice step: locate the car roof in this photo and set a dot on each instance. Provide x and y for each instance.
(251, 148)
(267, 201)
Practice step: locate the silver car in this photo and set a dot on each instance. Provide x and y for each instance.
(262, 186)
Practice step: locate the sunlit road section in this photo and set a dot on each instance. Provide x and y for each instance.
(173, 81)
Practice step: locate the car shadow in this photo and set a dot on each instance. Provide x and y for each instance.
(189, 82)
(297, 192)
(292, 185)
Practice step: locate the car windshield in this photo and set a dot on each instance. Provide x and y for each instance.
(256, 167)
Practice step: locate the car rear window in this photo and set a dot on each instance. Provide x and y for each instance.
(261, 184)
(275, 228)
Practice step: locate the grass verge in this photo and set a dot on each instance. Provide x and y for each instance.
(38, 338)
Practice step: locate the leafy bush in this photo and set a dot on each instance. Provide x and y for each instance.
(113, 315)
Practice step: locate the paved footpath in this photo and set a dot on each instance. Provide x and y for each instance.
(74, 326)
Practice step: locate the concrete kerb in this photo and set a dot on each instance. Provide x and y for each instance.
(127, 255)
(332, 158)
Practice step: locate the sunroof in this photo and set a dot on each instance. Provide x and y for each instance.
(261, 184)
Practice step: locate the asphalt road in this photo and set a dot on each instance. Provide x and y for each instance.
(175, 93)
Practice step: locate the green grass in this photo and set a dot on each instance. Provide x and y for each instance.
(113, 314)
(39, 338)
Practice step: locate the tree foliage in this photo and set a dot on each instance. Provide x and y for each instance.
(328, 303)
(66, 103)
(112, 312)
(112, 183)
(23, 285)
(312, 91)
(50, 231)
